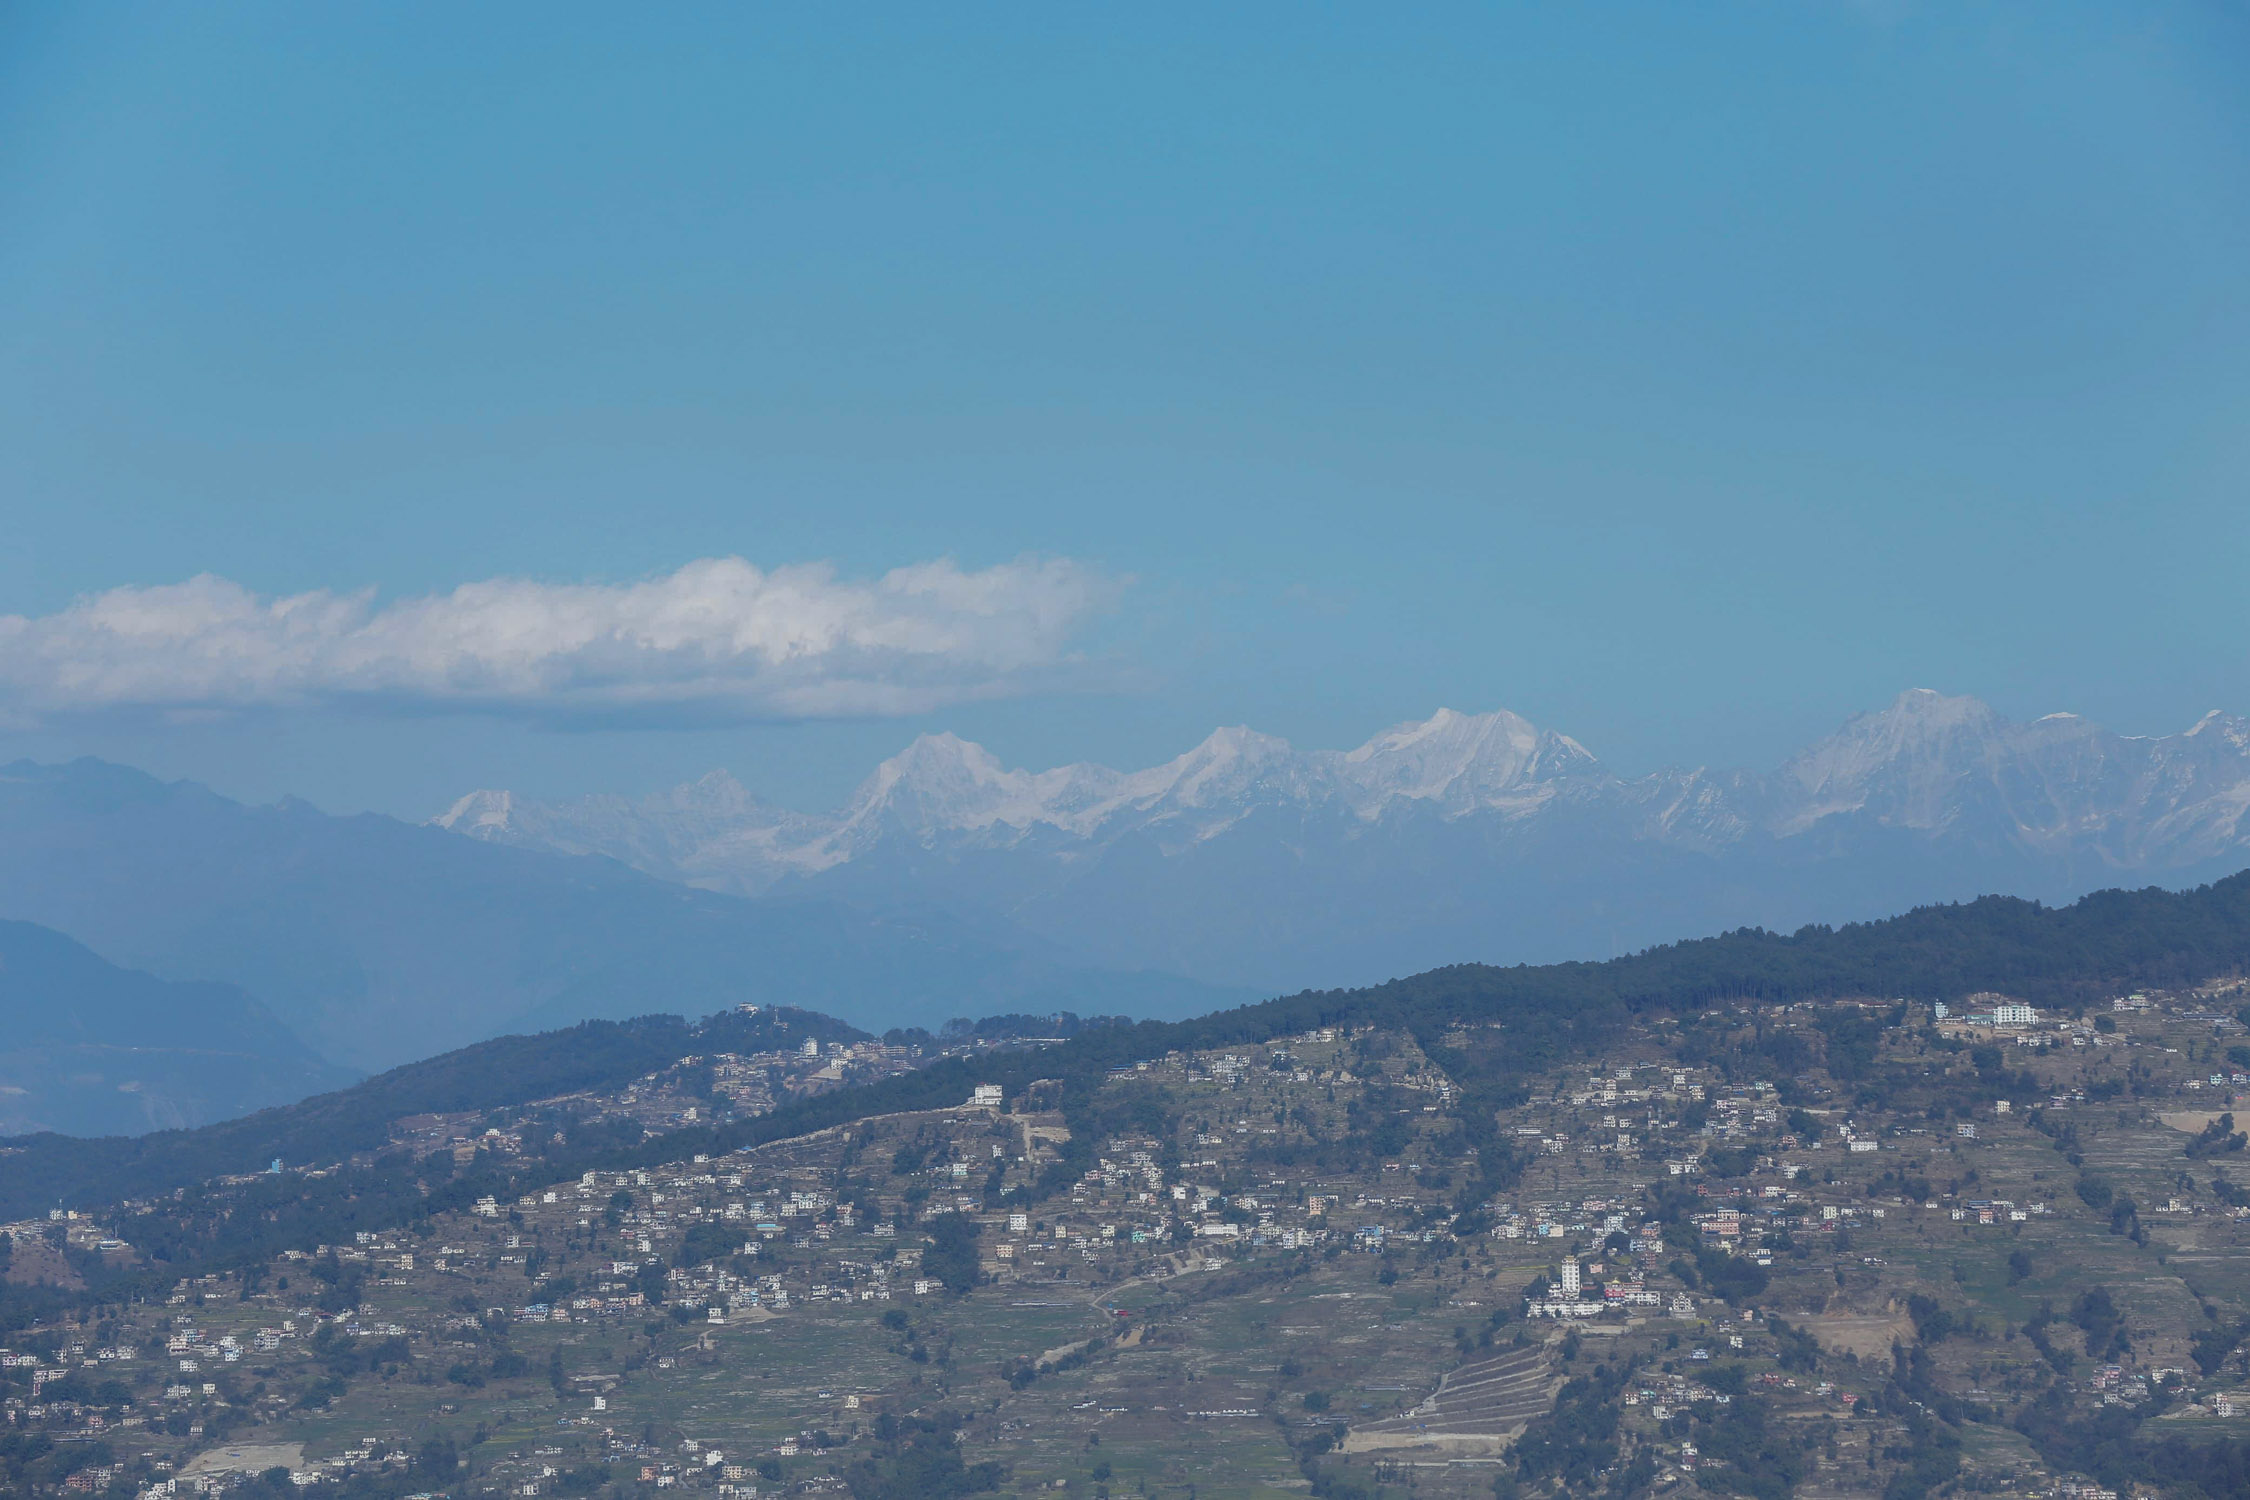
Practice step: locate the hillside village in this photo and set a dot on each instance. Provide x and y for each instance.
(1914, 1232)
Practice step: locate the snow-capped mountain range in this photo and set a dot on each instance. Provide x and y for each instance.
(714, 833)
(1248, 861)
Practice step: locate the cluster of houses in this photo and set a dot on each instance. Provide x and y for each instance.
(1568, 1296)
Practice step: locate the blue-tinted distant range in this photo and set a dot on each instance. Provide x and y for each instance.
(1248, 862)
(952, 885)
(94, 1049)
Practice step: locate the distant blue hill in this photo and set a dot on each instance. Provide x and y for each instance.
(378, 942)
(87, 1048)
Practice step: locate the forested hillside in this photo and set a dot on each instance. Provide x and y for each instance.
(48, 1170)
(2052, 956)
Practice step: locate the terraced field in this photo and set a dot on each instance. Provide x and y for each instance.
(1483, 1404)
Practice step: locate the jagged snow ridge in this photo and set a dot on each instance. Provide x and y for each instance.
(1928, 763)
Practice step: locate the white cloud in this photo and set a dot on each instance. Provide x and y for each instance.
(717, 640)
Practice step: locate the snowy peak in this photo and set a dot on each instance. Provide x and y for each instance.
(1232, 765)
(1918, 727)
(715, 794)
(937, 780)
(2058, 784)
(480, 815)
(944, 783)
(2215, 727)
(1465, 762)
(1908, 758)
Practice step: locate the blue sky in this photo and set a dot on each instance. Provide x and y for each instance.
(1683, 378)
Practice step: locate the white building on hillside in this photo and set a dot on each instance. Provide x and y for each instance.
(1564, 1299)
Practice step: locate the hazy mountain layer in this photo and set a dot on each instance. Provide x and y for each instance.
(379, 941)
(92, 1049)
(1249, 862)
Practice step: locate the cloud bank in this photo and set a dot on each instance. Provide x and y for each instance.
(717, 641)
